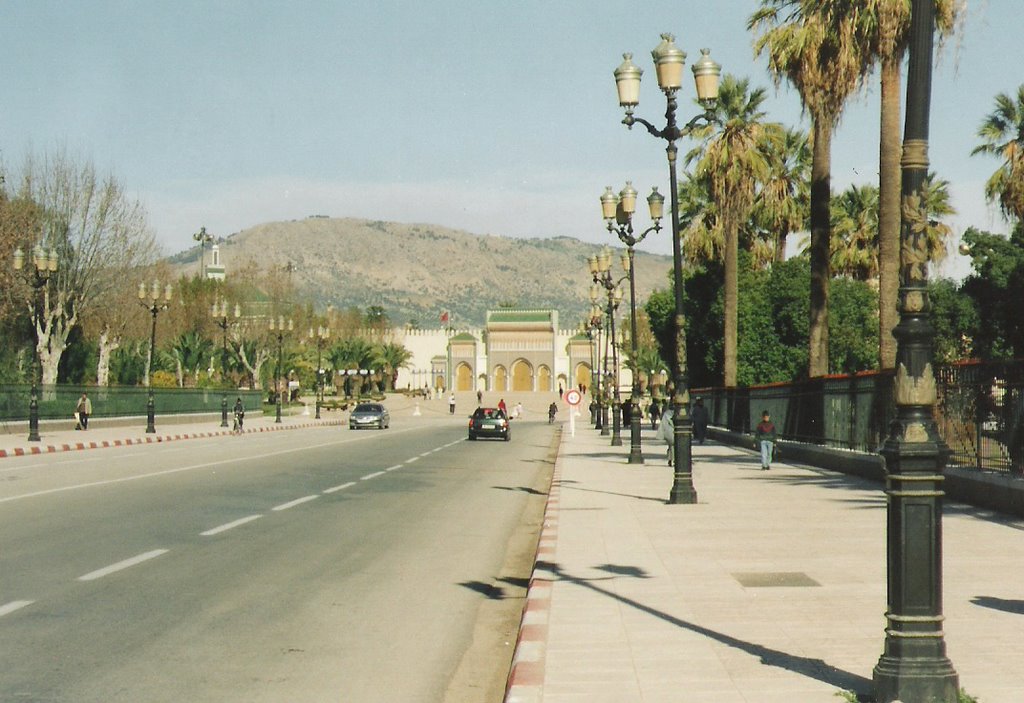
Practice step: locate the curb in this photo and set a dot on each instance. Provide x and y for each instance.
(153, 439)
(526, 677)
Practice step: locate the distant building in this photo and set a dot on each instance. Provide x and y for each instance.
(215, 269)
(516, 350)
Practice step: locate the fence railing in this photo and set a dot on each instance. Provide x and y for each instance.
(980, 411)
(59, 402)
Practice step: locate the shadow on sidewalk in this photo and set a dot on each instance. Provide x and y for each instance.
(1007, 606)
(565, 484)
(805, 666)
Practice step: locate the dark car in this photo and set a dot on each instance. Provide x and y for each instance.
(489, 422)
(369, 415)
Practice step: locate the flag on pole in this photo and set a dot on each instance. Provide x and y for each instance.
(444, 317)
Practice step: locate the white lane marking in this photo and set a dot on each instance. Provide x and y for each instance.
(293, 503)
(230, 525)
(427, 453)
(409, 461)
(107, 570)
(341, 487)
(375, 474)
(14, 605)
(396, 467)
(193, 467)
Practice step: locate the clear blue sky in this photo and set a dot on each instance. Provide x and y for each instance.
(494, 117)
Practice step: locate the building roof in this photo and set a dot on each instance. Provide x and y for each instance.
(520, 316)
(464, 337)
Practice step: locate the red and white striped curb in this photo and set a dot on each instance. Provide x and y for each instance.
(149, 439)
(526, 677)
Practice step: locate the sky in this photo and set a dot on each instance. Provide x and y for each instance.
(490, 116)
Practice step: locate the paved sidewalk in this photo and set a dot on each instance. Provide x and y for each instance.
(772, 589)
(15, 442)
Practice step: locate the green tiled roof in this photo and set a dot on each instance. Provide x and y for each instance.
(464, 337)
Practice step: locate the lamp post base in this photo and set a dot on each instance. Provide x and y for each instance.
(224, 410)
(903, 679)
(33, 417)
(683, 491)
(277, 417)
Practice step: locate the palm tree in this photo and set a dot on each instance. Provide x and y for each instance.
(813, 49)
(392, 356)
(352, 354)
(1002, 135)
(189, 352)
(733, 160)
(783, 206)
(855, 233)
(883, 31)
(935, 193)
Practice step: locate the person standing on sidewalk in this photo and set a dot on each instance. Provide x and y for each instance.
(84, 410)
(699, 415)
(766, 436)
(451, 404)
(667, 432)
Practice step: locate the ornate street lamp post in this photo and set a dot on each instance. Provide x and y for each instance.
(618, 215)
(43, 266)
(221, 319)
(914, 665)
(203, 238)
(321, 334)
(151, 301)
(593, 326)
(669, 60)
(279, 326)
(600, 269)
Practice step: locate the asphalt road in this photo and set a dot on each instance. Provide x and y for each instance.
(315, 565)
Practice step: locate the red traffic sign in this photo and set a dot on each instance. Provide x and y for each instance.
(573, 397)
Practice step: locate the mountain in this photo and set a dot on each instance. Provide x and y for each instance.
(414, 271)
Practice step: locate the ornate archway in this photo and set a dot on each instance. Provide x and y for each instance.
(522, 375)
(500, 379)
(463, 377)
(543, 378)
(582, 375)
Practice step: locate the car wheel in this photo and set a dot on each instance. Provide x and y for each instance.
(472, 438)
(508, 436)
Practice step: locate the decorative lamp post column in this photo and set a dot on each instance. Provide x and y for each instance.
(220, 318)
(618, 215)
(668, 61)
(150, 299)
(43, 266)
(203, 238)
(320, 335)
(914, 665)
(279, 326)
(600, 270)
(597, 372)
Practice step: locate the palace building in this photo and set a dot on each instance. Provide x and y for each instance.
(516, 350)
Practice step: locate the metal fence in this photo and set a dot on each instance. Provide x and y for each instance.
(58, 402)
(980, 411)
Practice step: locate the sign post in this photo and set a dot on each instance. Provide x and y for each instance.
(573, 398)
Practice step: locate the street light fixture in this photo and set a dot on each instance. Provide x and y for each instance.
(44, 264)
(150, 299)
(321, 334)
(220, 318)
(597, 315)
(669, 60)
(592, 328)
(279, 326)
(601, 271)
(203, 238)
(914, 665)
(618, 215)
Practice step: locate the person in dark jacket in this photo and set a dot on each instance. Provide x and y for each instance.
(700, 421)
(766, 436)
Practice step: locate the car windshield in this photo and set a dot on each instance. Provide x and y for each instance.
(488, 413)
(368, 408)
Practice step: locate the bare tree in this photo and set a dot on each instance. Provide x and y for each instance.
(99, 234)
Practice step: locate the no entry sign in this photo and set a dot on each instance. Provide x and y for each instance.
(573, 397)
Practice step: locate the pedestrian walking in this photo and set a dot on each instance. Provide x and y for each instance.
(766, 436)
(451, 404)
(239, 410)
(518, 411)
(667, 432)
(560, 391)
(552, 410)
(655, 411)
(479, 398)
(502, 407)
(700, 421)
(83, 410)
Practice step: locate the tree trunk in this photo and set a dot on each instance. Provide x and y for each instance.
(780, 246)
(889, 176)
(107, 344)
(731, 296)
(821, 234)
(52, 330)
